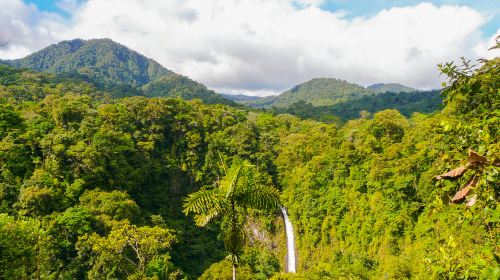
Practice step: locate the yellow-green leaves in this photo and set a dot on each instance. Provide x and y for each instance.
(126, 250)
(237, 190)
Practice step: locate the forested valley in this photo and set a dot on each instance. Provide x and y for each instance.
(94, 185)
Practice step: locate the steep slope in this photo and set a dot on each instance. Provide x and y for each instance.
(111, 64)
(100, 59)
(390, 87)
(318, 92)
(185, 88)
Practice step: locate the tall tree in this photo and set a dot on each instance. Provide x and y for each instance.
(237, 191)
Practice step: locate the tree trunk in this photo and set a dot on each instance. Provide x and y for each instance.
(234, 272)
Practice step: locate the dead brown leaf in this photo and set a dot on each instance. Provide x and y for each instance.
(465, 189)
(471, 201)
(475, 158)
(457, 172)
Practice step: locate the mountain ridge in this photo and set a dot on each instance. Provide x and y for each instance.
(115, 68)
(113, 64)
(390, 87)
(103, 59)
(336, 100)
(317, 91)
(241, 97)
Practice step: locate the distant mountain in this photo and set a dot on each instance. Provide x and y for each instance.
(318, 92)
(112, 64)
(405, 102)
(100, 59)
(241, 97)
(334, 100)
(391, 87)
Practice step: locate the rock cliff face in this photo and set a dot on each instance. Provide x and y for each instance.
(272, 236)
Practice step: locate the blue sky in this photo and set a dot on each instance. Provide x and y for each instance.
(52, 5)
(46, 5)
(353, 8)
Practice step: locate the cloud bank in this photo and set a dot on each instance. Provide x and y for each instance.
(262, 46)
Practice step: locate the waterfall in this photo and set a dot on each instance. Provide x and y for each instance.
(290, 242)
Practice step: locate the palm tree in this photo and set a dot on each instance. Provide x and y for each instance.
(236, 192)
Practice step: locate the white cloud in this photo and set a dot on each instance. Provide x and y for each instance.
(309, 2)
(265, 46)
(26, 29)
(68, 6)
(482, 49)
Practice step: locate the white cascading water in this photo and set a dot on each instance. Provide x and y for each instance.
(290, 241)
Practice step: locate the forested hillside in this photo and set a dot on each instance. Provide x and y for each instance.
(116, 68)
(395, 198)
(93, 186)
(100, 59)
(241, 97)
(318, 92)
(406, 103)
(122, 72)
(333, 100)
(390, 87)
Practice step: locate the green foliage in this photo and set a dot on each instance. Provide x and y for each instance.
(128, 252)
(220, 271)
(116, 69)
(367, 204)
(240, 97)
(18, 247)
(67, 150)
(405, 102)
(18, 85)
(93, 187)
(263, 263)
(391, 87)
(100, 59)
(9, 119)
(183, 87)
(236, 192)
(318, 92)
(114, 205)
(336, 101)
(37, 201)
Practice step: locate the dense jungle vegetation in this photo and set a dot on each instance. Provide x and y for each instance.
(93, 187)
(116, 69)
(318, 92)
(334, 100)
(406, 103)
(390, 87)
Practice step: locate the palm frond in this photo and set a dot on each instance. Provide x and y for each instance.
(260, 197)
(240, 170)
(204, 202)
(203, 219)
(229, 182)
